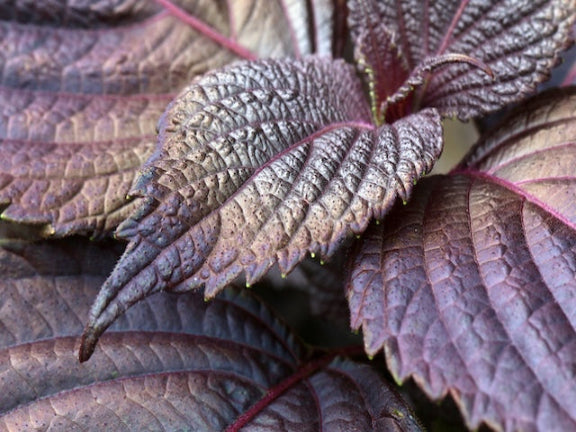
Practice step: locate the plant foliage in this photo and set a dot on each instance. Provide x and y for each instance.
(223, 139)
(172, 362)
(474, 294)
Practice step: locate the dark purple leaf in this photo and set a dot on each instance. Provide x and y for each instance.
(83, 85)
(260, 163)
(519, 41)
(173, 362)
(471, 288)
(378, 55)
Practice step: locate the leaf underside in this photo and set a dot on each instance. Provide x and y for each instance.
(174, 362)
(82, 88)
(471, 288)
(261, 163)
(520, 41)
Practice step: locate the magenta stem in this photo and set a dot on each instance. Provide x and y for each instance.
(275, 392)
(279, 389)
(206, 30)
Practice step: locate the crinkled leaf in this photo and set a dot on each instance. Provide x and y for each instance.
(518, 40)
(69, 160)
(471, 288)
(171, 363)
(261, 163)
(82, 86)
(377, 53)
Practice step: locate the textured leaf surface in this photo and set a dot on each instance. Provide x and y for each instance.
(471, 288)
(69, 160)
(171, 363)
(82, 86)
(377, 53)
(261, 163)
(519, 40)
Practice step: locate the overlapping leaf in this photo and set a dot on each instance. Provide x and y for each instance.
(69, 160)
(171, 363)
(518, 40)
(261, 163)
(471, 288)
(82, 87)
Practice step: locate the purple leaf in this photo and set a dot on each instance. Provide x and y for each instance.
(471, 288)
(82, 88)
(66, 162)
(519, 41)
(378, 55)
(259, 164)
(282, 28)
(172, 362)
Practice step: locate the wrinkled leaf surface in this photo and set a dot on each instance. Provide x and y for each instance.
(82, 86)
(258, 164)
(171, 363)
(471, 289)
(519, 40)
(378, 54)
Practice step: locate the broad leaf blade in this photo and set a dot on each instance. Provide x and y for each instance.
(261, 163)
(380, 415)
(82, 88)
(173, 362)
(519, 40)
(74, 171)
(471, 288)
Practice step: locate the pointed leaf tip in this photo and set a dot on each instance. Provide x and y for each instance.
(88, 343)
(262, 163)
(165, 359)
(480, 261)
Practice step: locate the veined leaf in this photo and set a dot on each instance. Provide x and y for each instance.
(519, 41)
(69, 160)
(82, 88)
(173, 362)
(261, 163)
(471, 289)
(378, 55)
